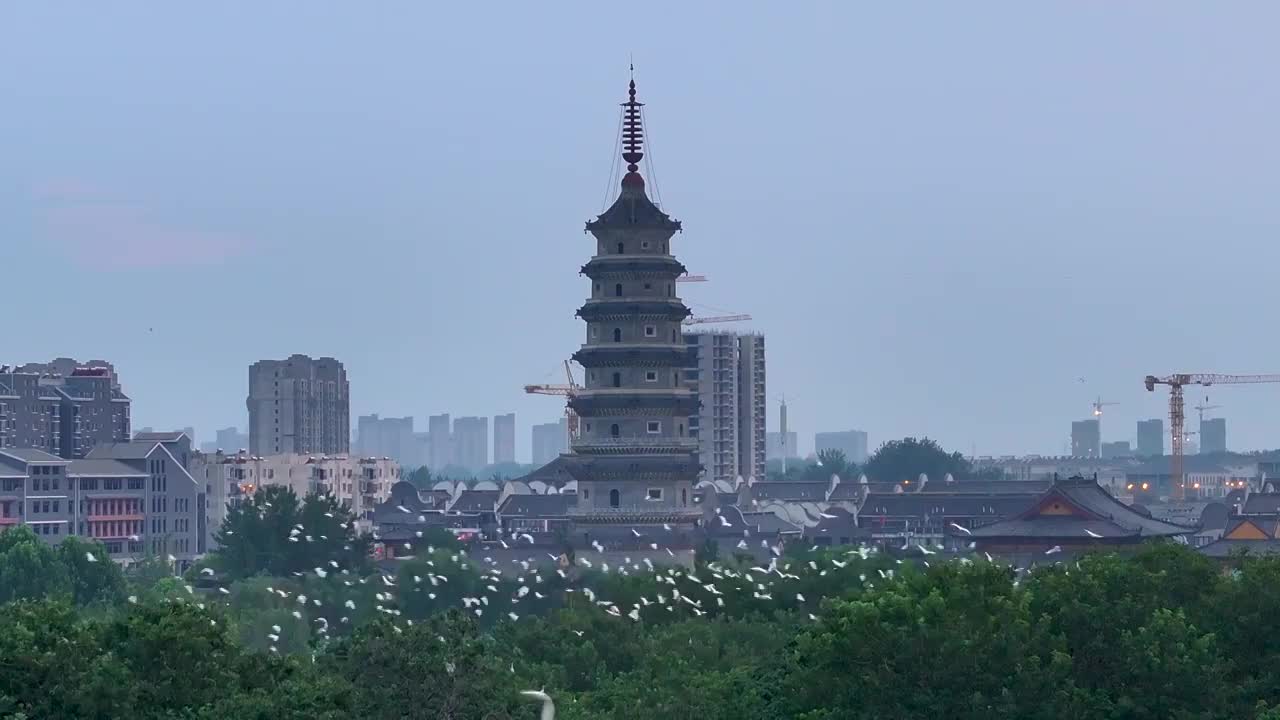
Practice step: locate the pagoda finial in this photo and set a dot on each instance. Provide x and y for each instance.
(632, 136)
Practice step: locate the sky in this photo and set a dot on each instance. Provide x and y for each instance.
(957, 220)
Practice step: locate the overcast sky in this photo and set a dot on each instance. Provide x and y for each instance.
(942, 216)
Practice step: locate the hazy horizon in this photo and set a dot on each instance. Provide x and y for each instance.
(941, 219)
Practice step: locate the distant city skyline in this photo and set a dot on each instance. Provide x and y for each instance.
(1022, 225)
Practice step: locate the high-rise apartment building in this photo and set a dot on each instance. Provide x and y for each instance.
(1213, 435)
(386, 437)
(231, 440)
(299, 405)
(549, 441)
(440, 437)
(853, 443)
(61, 414)
(504, 438)
(1117, 449)
(1086, 439)
(726, 372)
(1150, 438)
(471, 442)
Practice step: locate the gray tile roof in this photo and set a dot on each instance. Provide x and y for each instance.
(1104, 515)
(540, 506)
(172, 436)
(102, 467)
(31, 455)
(795, 491)
(475, 501)
(123, 450)
(1226, 548)
(1262, 504)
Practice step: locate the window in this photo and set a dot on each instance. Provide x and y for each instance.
(684, 496)
(586, 494)
(595, 332)
(617, 335)
(650, 376)
(644, 244)
(597, 287)
(620, 248)
(617, 290)
(614, 499)
(677, 378)
(614, 430)
(654, 426)
(648, 286)
(653, 494)
(651, 331)
(617, 379)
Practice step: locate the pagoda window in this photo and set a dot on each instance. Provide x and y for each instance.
(620, 248)
(617, 335)
(615, 431)
(684, 496)
(651, 331)
(615, 499)
(617, 290)
(644, 244)
(617, 380)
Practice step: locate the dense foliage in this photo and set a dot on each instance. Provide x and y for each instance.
(821, 635)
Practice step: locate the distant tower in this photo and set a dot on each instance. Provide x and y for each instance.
(782, 432)
(634, 458)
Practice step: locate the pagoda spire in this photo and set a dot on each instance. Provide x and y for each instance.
(632, 137)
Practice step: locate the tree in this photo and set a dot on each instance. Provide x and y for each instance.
(420, 477)
(274, 533)
(96, 580)
(835, 462)
(904, 460)
(30, 568)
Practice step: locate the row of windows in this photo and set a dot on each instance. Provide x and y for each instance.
(650, 331)
(618, 289)
(653, 427)
(651, 495)
(644, 245)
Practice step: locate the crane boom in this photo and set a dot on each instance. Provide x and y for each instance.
(715, 319)
(1177, 410)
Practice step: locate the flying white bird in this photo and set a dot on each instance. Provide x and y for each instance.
(90, 557)
(1091, 533)
(1054, 549)
(548, 707)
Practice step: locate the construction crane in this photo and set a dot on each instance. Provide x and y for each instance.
(1098, 405)
(691, 278)
(1205, 406)
(715, 319)
(568, 390)
(1177, 413)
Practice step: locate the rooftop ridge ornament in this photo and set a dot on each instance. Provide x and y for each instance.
(632, 137)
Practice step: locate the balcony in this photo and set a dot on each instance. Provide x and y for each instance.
(646, 443)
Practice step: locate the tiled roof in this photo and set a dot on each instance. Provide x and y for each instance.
(172, 436)
(123, 450)
(1105, 516)
(475, 501)
(102, 467)
(1226, 548)
(554, 505)
(989, 487)
(1262, 504)
(795, 491)
(31, 455)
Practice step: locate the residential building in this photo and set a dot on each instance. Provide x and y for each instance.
(1213, 436)
(173, 502)
(776, 449)
(549, 441)
(1086, 439)
(359, 483)
(299, 405)
(62, 414)
(853, 443)
(471, 442)
(504, 438)
(1150, 438)
(440, 435)
(386, 437)
(1117, 449)
(726, 372)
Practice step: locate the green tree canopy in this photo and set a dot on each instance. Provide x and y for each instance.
(906, 459)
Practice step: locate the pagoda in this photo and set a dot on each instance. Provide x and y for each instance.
(633, 457)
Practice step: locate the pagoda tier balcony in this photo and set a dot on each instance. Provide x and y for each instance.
(622, 355)
(642, 444)
(614, 401)
(639, 265)
(625, 308)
